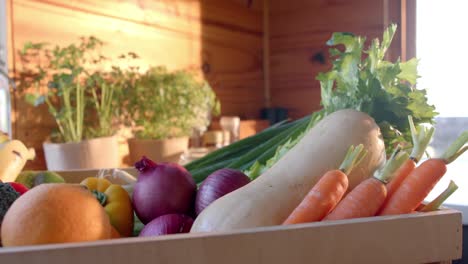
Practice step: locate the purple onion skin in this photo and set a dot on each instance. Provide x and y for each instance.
(163, 188)
(167, 224)
(218, 184)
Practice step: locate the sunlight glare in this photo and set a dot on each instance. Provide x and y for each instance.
(442, 43)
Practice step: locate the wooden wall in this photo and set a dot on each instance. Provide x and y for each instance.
(298, 32)
(222, 38)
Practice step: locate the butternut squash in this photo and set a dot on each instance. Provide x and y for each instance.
(270, 198)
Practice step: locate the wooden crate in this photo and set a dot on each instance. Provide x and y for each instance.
(414, 238)
(417, 238)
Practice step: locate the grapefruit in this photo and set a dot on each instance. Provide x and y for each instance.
(55, 213)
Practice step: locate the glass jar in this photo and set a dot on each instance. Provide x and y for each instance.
(232, 125)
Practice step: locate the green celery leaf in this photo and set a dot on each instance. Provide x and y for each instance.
(409, 71)
(386, 73)
(388, 35)
(345, 38)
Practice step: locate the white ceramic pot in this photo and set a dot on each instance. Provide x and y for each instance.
(97, 153)
(165, 150)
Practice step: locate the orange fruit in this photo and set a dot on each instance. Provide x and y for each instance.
(55, 213)
(114, 233)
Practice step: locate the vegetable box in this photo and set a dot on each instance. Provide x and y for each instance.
(413, 238)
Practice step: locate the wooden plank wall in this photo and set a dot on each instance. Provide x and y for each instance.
(298, 32)
(223, 38)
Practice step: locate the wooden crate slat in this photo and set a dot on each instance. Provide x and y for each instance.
(414, 238)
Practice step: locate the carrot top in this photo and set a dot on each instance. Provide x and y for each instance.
(456, 148)
(395, 161)
(421, 137)
(440, 199)
(352, 158)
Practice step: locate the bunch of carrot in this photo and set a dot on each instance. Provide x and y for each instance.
(328, 191)
(398, 188)
(418, 182)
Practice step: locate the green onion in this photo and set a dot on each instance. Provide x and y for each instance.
(243, 153)
(238, 148)
(264, 153)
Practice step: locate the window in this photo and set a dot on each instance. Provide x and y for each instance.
(441, 47)
(5, 124)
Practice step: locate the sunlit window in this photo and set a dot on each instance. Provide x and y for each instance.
(441, 46)
(4, 92)
(4, 109)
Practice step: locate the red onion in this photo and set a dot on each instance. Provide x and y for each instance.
(167, 224)
(218, 184)
(164, 188)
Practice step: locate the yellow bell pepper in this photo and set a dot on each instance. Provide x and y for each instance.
(116, 203)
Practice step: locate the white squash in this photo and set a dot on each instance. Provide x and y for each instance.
(270, 198)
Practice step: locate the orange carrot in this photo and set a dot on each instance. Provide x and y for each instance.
(400, 176)
(327, 192)
(422, 180)
(366, 199)
(421, 138)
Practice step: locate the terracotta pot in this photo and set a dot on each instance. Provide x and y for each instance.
(165, 150)
(97, 153)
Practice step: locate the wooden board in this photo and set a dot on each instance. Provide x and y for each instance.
(416, 238)
(298, 33)
(221, 38)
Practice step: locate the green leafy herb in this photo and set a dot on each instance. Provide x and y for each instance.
(383, 89)
(67, 80)
(164, 104)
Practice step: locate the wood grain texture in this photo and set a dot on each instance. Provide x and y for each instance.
(220, 38)
(299, 30)
(394, 13)
(408, 25)
(414, 238)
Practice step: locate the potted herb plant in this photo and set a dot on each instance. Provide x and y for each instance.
(165, 108)
(80, 96)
